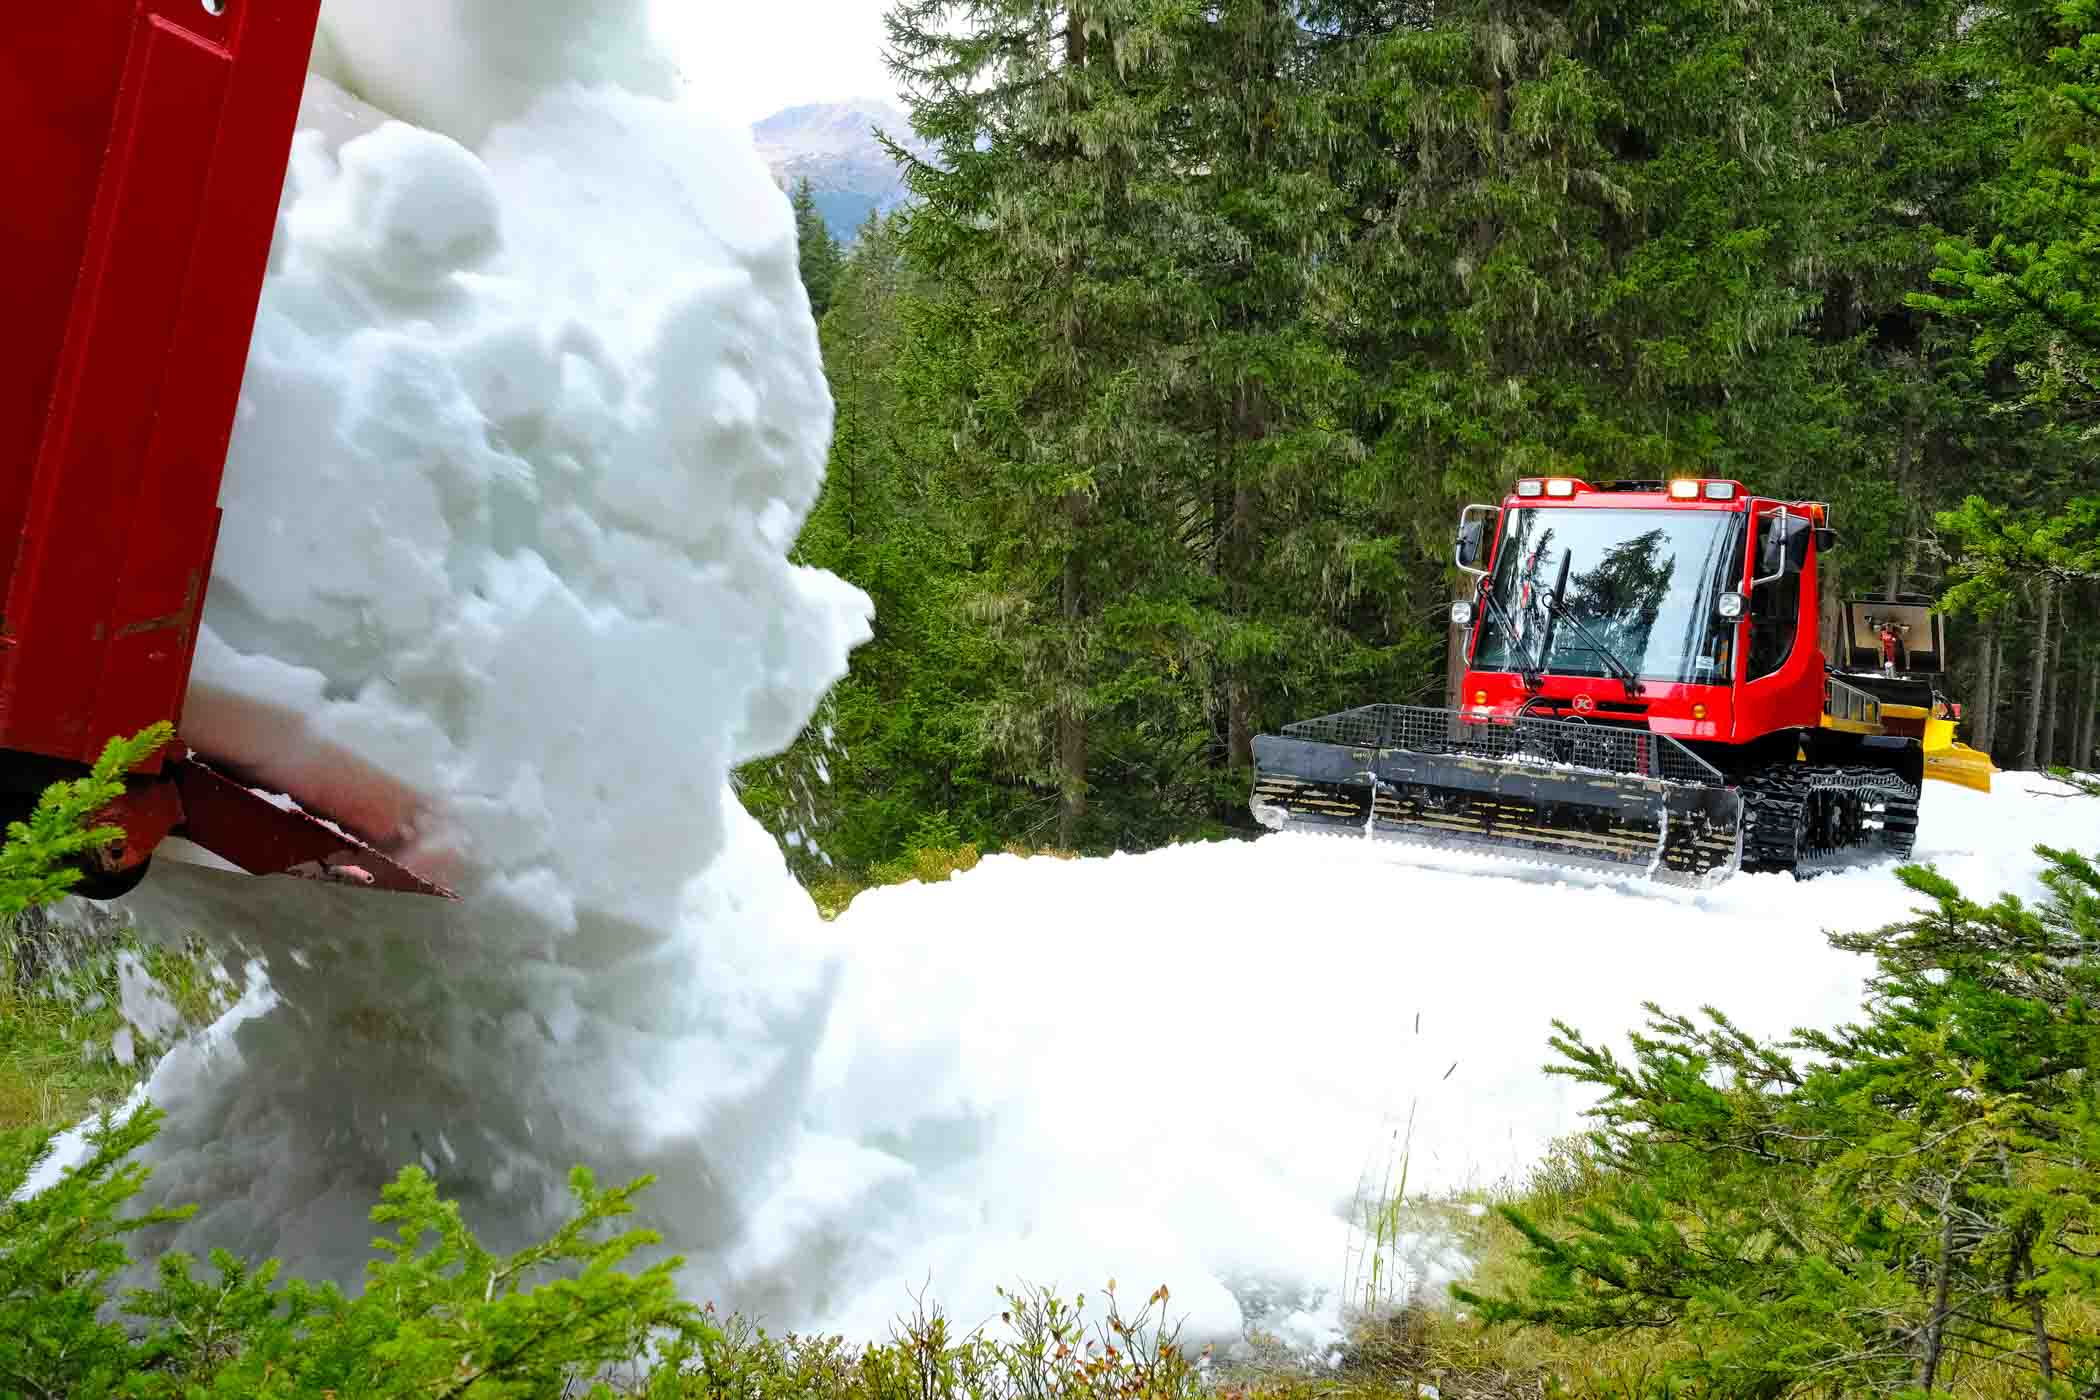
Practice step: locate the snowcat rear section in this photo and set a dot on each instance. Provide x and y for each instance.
(1911, 701)
(1571, 794)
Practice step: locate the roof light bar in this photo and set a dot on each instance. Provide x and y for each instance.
(1720, 490)
(1560, 486)
(1684, 490)
(1531, 486)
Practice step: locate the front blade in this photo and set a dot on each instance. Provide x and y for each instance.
(1511, 792)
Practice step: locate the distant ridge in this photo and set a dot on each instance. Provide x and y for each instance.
(833, 145)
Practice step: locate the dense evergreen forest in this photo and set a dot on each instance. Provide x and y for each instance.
(1157, 405)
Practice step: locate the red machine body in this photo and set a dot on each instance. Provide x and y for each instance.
(1644, 694)
(1738, 705)
(146, 153)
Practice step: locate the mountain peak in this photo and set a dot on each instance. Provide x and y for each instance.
(829, 127)
(833, 146)
(878, 105)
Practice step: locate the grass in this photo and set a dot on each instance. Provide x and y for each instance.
(1406, 1341)
(833, 890)
(59, 1012)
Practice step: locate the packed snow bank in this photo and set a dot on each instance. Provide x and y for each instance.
(1177, 1068)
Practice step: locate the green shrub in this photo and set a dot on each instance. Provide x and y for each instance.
(59, 1253)
(59, 978)
(37, 865)
(934, 852)
(1907, 1203)
(438, 1316)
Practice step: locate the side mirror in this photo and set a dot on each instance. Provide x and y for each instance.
(1470, 540)
(1795, 531)
(1826, 539)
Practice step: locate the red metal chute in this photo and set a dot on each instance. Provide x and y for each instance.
(146, 153)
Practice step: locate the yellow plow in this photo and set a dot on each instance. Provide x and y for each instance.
(1947, 758)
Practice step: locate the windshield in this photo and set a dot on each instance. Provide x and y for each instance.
(1641, 582)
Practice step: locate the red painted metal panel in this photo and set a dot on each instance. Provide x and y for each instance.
(95, 494)
(147, 813)
(161, 131)
(58, 92)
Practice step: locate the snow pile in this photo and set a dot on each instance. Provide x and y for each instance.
(533, 413)
(463, 66)
(525, 438)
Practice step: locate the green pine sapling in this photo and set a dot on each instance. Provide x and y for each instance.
(439, 1316)
(1884, 1208)
(39, 863)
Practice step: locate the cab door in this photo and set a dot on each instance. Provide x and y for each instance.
(1780, 675)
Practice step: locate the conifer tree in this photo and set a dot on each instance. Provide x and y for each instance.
(1268, 391)
(1057, 146)
(819, 250)
(2019, 288)
(1224, 310)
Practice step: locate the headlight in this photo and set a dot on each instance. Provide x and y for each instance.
(1462, 614)
(1729, 605)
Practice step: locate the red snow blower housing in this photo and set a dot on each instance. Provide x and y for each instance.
(147, 142)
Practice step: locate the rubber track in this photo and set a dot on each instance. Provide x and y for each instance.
(1880, 811)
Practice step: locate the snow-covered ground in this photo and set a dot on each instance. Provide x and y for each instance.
(1174, 1068)
(533, 414)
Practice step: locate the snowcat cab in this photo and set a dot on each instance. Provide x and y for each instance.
(1645, 693)
(147, 147)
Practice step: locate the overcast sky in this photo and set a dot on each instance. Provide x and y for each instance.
(747, 61)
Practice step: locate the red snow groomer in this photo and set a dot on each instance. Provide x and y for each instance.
(1645, 693)
(146, 148)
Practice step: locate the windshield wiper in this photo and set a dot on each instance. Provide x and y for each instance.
(1528, 671)
(1624, 673)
